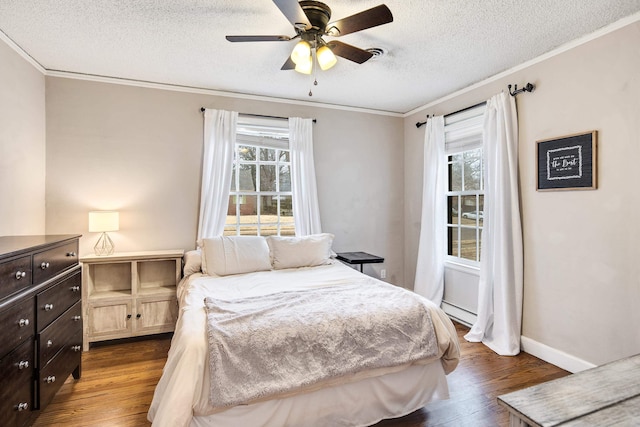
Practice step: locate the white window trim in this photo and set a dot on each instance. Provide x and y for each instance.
(461, 134)
(260, 132)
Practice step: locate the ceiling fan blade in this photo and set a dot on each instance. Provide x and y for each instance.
(349, 52)
(288, 65)
(258, 38)
(294, 13)
(360, 21)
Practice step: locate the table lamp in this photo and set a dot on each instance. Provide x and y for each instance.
(101, 222)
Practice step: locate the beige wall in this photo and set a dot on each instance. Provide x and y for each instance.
(138, 151)
(22, 145)
(582, 274)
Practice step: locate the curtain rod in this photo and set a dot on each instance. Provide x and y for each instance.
(527, 88)
(260, 115)
(455, 112)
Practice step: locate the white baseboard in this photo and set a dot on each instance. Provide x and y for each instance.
(555, 357)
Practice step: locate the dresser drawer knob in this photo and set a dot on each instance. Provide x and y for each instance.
(22, 407)
(76, 318)
(76, 348)
(71, 254)
(23, 364)
(20, 275)
(50, 379)
(48, 307)
(75, 288)
(44, 265)
(49, 344)
(23, 322)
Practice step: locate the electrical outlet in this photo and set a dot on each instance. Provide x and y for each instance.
(383, 273)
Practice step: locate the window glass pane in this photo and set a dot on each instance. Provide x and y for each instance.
(249, 215)
(268, 229)
(247, 178)
(284, 156)
(247, 153)
(453, 241)
(267, 177)
(468, 244)
(452, 210)
(285, 178)
(472, 169)
(268, 154)
(229, 230)
(268, 209)
(455, 172)
(481, 209)
(468, 210)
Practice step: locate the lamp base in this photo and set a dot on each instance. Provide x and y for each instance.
(104, 245)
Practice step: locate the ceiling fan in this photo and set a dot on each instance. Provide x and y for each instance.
(310, 20)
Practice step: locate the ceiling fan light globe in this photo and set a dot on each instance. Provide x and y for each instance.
(305, 67)
(326, 58)
(301, 52)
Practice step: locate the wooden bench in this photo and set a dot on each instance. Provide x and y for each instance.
(603, 396)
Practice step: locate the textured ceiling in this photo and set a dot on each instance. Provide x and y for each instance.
(433, 47)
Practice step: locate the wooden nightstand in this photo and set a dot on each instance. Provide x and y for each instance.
(359, 258)
(129, 294)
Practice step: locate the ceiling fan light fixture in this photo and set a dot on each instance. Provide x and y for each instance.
(326, 58)
(305, 67)
(301, 52)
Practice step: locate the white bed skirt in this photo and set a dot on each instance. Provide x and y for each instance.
(362, 403)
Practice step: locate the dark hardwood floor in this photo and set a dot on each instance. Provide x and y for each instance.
(118, 380)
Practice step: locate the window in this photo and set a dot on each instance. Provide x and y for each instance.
(465, 185)
(260, 198)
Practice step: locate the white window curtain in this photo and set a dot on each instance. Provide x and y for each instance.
(217, 162)
(429, 280)
(501, 265)
(306, 211)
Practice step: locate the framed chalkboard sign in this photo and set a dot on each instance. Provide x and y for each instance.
(567, 163)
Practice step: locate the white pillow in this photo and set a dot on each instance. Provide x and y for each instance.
(192, 262)
(226, 255)
(306, 251)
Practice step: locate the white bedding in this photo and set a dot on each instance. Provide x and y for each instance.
(181, 397)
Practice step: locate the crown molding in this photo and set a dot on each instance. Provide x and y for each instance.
(203, 91)
(557, 51)
(20, 51)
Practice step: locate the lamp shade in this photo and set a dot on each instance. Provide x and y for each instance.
(101, 221)
(305, 67)
(301, 52)
(326, 58)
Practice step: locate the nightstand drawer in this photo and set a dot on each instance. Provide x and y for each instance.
(65, 331)
(17, 372)
(16, 324)
(15, 275)
(49, 263)
(57, 299)
(53, 375)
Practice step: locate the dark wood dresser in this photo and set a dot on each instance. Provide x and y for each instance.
(40, 322)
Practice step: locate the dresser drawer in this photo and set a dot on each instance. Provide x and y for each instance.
(54, 301)
(15, 275)
(65, 331)
(54, 374)
(16, 324)
(47, 264)
(17, 373)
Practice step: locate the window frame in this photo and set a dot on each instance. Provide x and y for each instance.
(259, 134)
(463, 133)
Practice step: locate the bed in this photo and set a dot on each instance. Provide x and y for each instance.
(231, 279)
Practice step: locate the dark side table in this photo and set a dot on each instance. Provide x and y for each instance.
(359, 258)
